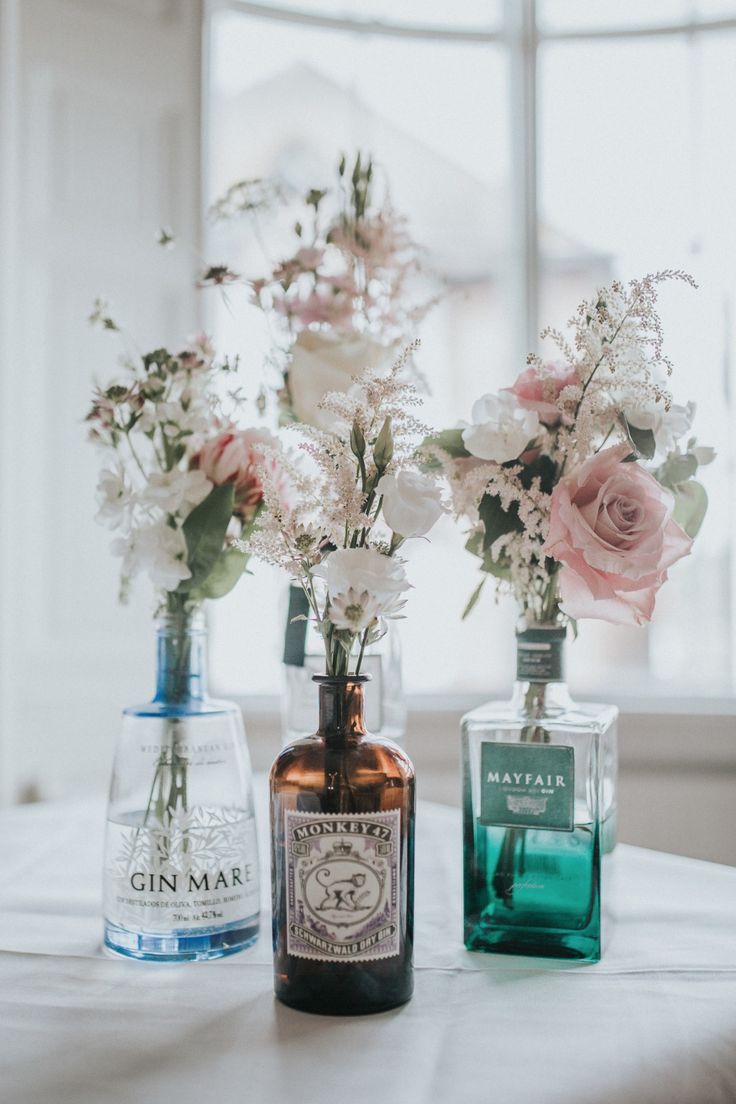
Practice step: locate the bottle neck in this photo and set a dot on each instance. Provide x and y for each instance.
(540, 686)
(181, 674)
(341, 706)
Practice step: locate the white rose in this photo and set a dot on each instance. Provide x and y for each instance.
(411, 503)
(501, 429)
(157, 549)
(363, 570)
(324, 362)
(668, 426)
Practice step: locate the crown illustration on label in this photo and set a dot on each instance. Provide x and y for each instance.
(341, 849)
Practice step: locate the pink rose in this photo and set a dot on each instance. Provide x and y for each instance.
(237, 457)
(612, 529)
(538, 388)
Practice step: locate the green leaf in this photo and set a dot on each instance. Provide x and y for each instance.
(496, 520)
(691, 503)
(543, 468)
(500, 569)
(642, 439)
(226, 570)
(473, 599)
(677, 469)
(450, 441)
(204, 531)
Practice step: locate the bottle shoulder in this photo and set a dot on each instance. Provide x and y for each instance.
(595, 716)
(195, 707)
(308, 757)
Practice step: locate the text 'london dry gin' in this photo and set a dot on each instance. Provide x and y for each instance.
(532, 797)
(342, 837)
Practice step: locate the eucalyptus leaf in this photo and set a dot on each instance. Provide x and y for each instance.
(691, 503)
(496, 520)
(204, 531)
(226, 570)
(642, 439)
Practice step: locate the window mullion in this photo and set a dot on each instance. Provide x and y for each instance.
(522, 40)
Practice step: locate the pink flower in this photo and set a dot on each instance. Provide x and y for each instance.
(238, 457)
(538, 388)
(612, 529)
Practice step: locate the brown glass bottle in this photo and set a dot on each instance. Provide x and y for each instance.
(342, 863)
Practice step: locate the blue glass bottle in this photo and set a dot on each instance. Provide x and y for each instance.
(181, 862)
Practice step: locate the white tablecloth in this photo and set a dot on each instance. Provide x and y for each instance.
(654, 1022)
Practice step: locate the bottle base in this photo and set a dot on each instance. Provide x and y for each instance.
(181, 946)
(573, 946)
(347, 1009)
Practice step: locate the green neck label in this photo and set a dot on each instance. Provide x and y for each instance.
(540, 655)
(527, 786)
(296, 631)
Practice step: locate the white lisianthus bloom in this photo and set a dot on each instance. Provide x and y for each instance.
(114, 498)
(176, 491)
(668, 426)
(353, 611)
(363, 570)
(158, 550)
(324, 362)
(412, 503)
(501, 428)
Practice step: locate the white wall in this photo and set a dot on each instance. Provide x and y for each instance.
(100, 118)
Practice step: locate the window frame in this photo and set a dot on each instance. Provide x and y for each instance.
(523, 35)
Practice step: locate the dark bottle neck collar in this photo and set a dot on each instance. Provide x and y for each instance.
(181, 674)
(540, 685)
(341, 707)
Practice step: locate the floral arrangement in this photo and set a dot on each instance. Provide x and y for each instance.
(355, 499)
(182, 484)
(346, 296)
(578, 481)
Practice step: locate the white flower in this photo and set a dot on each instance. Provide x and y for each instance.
(363, 569)
(324, 362)
(353, 611)
(411, 502)
(668, 426)
(176, 491)
(157, 549)
(501, 429)
(114, 498)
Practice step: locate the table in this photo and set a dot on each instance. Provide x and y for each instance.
(654, 1021)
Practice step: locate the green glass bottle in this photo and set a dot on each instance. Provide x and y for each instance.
(533, 771)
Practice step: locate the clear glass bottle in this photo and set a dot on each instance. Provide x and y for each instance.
(342, 860)
(533, 772)
(385, 705)
(181, 862)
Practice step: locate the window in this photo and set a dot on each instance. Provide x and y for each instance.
(621, 164)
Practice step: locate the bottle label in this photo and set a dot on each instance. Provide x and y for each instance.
(295, 638)
(527, 786)
(200, 870)
(343, 893)
(540, 655)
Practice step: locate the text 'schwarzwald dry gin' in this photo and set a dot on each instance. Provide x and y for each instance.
(533, 793)
(342, 839)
